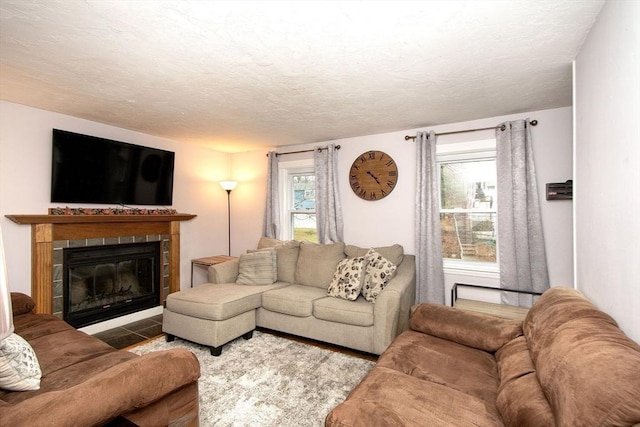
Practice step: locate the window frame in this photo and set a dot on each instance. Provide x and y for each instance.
(459, 153)
(287, 170)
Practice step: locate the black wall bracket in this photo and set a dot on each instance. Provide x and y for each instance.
(560, 190)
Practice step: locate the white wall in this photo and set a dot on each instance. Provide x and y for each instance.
(607, 164)
(391, 220)
(25, 175)
(25, 141)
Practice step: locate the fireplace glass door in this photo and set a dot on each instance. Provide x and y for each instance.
(104, 282)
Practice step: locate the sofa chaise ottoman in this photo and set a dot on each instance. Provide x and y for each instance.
(329, 293)
(568, 364)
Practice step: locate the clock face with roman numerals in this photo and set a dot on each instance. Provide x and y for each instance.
(373, 175)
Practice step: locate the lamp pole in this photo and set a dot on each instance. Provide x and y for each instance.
(229, 218)
(228, 186)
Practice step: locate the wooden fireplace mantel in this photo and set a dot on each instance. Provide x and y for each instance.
(45, 229)
(79, 219)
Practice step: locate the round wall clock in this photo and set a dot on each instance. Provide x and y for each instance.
(373, 175)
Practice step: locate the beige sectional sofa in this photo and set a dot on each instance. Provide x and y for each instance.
(297, 300)
(567, 364)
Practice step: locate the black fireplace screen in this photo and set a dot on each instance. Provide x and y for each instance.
(104, 282)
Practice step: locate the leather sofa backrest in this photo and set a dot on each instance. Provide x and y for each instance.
(588, 368)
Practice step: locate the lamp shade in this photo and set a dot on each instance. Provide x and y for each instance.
(228, 185)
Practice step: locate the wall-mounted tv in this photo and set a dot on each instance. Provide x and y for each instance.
(88, 169)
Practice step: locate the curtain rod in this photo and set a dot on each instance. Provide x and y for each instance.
(407, 137)
(304, 151)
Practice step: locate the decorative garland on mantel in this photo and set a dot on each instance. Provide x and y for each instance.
(111, 211)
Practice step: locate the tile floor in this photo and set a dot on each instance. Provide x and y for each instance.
(133, 333)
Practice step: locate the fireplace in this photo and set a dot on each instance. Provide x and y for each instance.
(50, 234)
(104, 282)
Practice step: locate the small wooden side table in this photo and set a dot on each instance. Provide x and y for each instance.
(206, 262)
(501, 310)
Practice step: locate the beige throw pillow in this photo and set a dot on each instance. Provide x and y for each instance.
(257, 267)
(19, 367)
(378, 273)
(348, 279)
(286, 255)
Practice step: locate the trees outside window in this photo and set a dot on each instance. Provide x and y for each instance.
(468, 205)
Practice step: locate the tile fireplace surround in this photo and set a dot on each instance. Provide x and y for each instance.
(48, 230)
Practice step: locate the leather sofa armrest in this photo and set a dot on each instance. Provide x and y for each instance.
(477, 330)
(225, 272)
(393, 304)
(127, 386)
(21, 303)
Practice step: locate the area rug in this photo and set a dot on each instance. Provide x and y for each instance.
(269, 381)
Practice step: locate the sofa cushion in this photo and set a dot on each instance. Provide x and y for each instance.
(19, 367)
(387, 397)
(295, 300)
(587, 367)
(358, 312)
(468, 370)
(378, 273)
(477, 330)
(217, 302)
(394, 253)
(317, 263)
(258, 267)
(286, 256)
(348, 279)
(520, 399)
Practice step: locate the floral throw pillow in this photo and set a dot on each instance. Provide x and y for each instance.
(378, 273)
(347, 281)
(19, 367)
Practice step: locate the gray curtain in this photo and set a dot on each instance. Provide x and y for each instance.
(523, 262)
(328, 208)
(6, 314)
(271, 224)
(429, 269)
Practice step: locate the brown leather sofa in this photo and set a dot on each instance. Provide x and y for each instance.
(86, 382)
(567, 364)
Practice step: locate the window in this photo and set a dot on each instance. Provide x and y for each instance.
(468, 203)
(298, 187)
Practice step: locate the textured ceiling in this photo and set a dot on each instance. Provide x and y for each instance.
(246, 75)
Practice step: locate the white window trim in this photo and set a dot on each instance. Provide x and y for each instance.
(465, 151)
(285, 169)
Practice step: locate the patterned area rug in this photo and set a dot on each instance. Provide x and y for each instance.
(269, 381)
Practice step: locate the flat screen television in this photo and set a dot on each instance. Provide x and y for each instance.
(88, 169)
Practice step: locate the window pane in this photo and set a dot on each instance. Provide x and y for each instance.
(469, 236)
(468, 185)
(468, 200)
(304, 192)
(304, 227)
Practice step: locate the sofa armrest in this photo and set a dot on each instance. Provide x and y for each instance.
(477, 330)
(127, 386)
(21, 303)
(392, 306)
(225, 272)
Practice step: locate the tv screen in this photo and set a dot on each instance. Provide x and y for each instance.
(88, 169)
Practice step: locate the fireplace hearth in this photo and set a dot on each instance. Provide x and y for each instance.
(105, 282)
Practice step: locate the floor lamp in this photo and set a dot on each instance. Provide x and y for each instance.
(228, 186)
